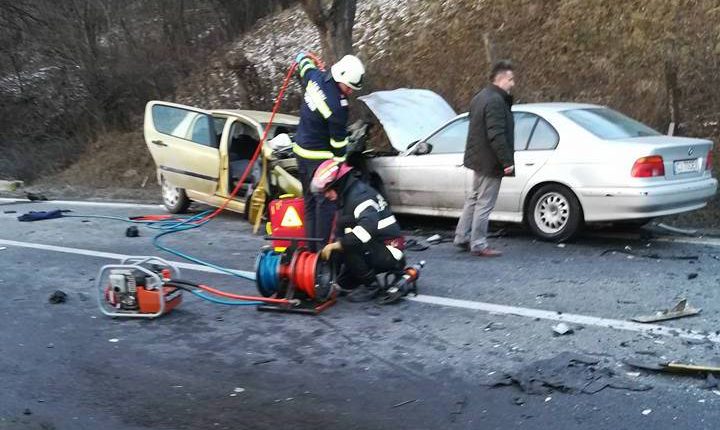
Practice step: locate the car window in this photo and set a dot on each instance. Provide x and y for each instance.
(201, 131)
(280, 129)
(524, 124)
(451, 138)
(543, 137)
(185, 124)
(609, 124)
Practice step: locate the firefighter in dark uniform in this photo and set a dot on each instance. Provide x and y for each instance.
(322, 132)
(368, 236)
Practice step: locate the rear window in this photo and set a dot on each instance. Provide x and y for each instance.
(609, 124)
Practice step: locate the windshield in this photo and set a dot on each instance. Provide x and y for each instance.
(609, 124)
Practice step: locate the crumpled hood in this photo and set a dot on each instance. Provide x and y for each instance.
(408, 114)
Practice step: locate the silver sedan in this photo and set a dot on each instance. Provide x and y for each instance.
(574, 163)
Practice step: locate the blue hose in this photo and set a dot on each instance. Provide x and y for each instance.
(175, 225)
(268, 273)
(223, 302)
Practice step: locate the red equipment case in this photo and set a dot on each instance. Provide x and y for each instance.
(286, 220)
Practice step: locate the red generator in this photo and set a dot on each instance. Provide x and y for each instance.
(286, 216)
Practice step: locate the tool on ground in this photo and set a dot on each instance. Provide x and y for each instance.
(681, 309)
(135, 288)
(148, 287)
(295, 274)
(398, 285)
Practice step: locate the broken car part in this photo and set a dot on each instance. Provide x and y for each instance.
(680, 310)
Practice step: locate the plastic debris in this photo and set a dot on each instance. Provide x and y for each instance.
(683, 231)
(562, 329)
(680, 310)
(434, 239)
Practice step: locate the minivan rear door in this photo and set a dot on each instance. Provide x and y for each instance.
(184, 144)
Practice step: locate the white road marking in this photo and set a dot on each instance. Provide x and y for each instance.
(691, 241)
(571, 318)
(707, 241)
(83, 203)
(113, 256)
(441, 301)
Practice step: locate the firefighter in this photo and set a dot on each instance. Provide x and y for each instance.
(322, 132)
(368, 235)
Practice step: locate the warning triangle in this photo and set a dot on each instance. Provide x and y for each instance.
(291, 218)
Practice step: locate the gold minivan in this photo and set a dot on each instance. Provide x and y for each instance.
(201, 154)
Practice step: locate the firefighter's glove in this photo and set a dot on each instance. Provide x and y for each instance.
(329, 249)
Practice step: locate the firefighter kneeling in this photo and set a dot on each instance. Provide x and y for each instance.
(365, 229)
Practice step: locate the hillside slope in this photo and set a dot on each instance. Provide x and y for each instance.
(607, 52)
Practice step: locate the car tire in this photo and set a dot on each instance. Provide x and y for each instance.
(175, 199)
(554, 214)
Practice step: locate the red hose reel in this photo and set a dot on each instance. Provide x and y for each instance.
(295, 274)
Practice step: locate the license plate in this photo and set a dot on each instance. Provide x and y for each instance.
(687, 166)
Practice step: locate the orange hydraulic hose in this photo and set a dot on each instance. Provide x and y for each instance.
(241, 297)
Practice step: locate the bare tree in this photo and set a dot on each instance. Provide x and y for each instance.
(334, 22)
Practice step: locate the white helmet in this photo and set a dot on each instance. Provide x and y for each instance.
(349, 71)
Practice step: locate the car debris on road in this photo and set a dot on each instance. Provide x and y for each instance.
(680, 310)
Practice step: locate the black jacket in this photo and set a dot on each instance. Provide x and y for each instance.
(363, 216)
(491, 134)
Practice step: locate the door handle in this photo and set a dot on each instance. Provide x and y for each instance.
(159, 143)
(460, 165)
(529, 164)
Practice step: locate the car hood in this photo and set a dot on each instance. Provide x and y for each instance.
(408, 115)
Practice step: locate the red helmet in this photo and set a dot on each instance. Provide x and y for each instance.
(329, 172)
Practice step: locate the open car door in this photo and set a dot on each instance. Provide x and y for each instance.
(184, 144)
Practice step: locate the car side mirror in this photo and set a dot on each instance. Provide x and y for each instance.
(422, 148)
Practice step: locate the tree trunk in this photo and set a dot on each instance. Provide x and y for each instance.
(334, 26)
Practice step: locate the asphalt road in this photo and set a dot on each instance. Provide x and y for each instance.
(423, 364)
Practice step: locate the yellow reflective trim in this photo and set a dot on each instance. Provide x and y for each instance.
(339, 158)
(305, 65)
(337, 144)
(310, 154)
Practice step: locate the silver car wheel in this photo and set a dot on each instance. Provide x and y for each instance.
(170, 194)
(552, 212)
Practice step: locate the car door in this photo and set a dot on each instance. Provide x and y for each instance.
(535, 142)
(183, 142)
(434, 179)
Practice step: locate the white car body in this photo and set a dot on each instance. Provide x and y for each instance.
(596, 170)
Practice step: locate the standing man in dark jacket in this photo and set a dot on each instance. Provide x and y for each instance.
(322, 132)
(489, 152)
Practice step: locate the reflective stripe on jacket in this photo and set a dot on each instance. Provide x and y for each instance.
(322, 132)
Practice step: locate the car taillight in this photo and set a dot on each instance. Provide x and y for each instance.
(709, 162)
(648, 167)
